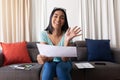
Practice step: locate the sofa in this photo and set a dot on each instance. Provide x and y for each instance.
(107, 71)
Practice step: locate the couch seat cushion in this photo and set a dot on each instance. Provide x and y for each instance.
(8, 73)
(109, 71)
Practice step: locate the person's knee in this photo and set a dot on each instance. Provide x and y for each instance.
(66, 66)
(49, 66)
(61, 67)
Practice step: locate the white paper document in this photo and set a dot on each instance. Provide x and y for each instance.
(83, 65)
(57, 51)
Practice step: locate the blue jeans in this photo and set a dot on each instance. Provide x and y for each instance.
(59, 69)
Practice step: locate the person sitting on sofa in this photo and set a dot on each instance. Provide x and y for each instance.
(59, 34)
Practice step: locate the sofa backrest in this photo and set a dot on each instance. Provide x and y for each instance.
(1, 59)
(81, 51)
(33, 51)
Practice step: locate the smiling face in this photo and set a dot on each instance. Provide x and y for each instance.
(58, 19)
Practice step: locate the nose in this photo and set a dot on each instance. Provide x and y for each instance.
(58, 19)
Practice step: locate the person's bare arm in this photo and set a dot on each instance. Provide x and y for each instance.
(69, 35)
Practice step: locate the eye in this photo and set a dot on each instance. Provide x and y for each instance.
(55, 16)
(62, 17)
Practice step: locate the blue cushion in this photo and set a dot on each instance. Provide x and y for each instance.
(99, 50)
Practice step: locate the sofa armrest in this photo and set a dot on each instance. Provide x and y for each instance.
(116, 54)
(1, 59)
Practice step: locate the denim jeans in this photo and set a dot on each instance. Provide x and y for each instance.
(61, 70)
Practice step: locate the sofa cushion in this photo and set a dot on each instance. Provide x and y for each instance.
(80, 43)
(15, 53)
(33, 50)
(0, 48)
(106, 71)
(9, 73)
(1, 59)
(99, 50)
(81, 51)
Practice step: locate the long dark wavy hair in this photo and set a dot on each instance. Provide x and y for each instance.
(64, 27)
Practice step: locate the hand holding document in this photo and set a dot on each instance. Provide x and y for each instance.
(57, 51)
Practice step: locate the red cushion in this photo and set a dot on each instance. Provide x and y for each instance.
(15, 53)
